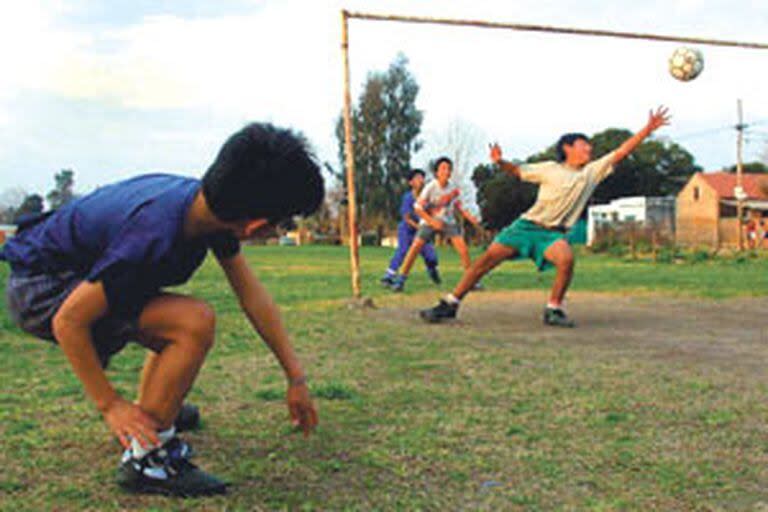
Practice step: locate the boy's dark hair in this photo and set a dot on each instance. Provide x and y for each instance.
(436, 163)
(567, 139)
(263, 171)
(414, 172)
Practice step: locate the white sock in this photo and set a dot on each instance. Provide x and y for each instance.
(451, 299)
(164, 436)
(552, 305)
(391, 272)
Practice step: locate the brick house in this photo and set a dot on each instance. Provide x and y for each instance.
(706, 208)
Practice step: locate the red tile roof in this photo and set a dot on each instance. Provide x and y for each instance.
(724, 182)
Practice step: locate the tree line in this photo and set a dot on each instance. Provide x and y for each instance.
(15, 203)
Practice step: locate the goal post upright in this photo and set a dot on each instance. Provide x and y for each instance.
(348, 142)
(349, 154)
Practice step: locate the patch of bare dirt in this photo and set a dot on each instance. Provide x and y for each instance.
(729, 334)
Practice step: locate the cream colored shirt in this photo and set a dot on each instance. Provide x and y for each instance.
(440, 202)
(563, 191)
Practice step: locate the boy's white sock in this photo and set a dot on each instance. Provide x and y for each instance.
(451, 299)
(164, 436)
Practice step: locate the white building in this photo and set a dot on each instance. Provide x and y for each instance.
(645, 211)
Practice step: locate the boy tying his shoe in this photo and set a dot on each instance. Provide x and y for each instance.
(90, 277)
(565, 187)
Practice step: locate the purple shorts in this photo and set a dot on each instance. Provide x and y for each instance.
(34, 300)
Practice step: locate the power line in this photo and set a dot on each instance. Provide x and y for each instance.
(701, 133)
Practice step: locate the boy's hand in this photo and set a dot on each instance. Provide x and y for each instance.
(303, 413)
(437, 225)
(659, 118)
(127, 420)
(495, 152)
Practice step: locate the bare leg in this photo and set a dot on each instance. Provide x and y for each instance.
(180, 330)
(150, 364)
(413, 253)
(561, 255)
(461, 247)
(495, 254)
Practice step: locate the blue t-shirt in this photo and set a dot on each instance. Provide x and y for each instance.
(407, 208)
(128, 235)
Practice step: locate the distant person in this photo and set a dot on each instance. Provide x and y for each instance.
(406, 230)
(437, 206)
(91, 277)
(751, 231)
(565, 186)
(764, 234)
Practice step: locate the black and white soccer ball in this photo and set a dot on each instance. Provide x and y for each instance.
(686, 63)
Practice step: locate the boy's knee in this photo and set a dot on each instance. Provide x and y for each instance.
(200, 325)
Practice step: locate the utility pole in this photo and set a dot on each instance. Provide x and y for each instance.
(738, 191)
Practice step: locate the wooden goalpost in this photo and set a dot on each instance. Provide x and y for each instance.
(354, 251)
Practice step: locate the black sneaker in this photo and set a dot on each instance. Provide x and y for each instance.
(434, 275)
(398, 283)
(388, 280)
(188, 418)
(443, 311)
(557, 318)
(167, 470)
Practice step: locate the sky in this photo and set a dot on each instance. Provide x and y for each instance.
(115, 89)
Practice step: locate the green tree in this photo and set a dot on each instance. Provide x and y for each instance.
(750, 167)
(657, 167)
(386, 126)
(62, 192)
(32, 204)
(500, 197)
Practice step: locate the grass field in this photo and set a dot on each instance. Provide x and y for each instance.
(657, 402)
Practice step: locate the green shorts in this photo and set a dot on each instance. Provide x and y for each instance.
(530, 240)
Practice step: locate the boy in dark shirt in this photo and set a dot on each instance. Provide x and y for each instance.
(90, 277)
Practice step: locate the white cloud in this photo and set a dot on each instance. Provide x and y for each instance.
(30, 46)
(231, 63)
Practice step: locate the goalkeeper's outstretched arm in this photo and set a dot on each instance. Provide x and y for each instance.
(656, 120)
(507, 167)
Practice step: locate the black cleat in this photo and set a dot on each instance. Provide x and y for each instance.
(398, 283)
(443, 311)
(167, 470)
(188, 418)
(557, 318)
(434, 275)
(388, 280)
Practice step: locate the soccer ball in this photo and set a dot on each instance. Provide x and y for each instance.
(685, 64)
